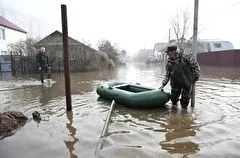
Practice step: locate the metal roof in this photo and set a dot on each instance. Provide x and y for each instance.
(4, 22)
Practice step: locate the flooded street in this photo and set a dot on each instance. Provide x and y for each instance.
(210, 129)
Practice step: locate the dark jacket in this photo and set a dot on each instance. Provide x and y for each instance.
(182, 71)
(42, 59)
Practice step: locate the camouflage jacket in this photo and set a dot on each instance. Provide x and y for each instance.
(184, 70)
(42, 59)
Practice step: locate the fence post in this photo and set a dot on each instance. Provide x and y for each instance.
(21, 61)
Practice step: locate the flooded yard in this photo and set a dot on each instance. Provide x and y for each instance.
(210, 129)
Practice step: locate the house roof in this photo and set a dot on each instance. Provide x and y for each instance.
(4, 22)
(55, 38)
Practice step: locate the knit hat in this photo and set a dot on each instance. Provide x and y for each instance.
(171, 48)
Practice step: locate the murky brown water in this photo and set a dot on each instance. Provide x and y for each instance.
(211, 129)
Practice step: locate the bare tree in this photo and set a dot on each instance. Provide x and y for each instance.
(107, 47)
(181, 24)
(25, 48)
(17, 48)
(30, 49)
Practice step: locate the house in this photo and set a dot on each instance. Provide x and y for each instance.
(143, 54)
(217, 53)
(9, 33)
(54, 45)
(213, 45)
(206, 45)
(81, 56)
(159, 49)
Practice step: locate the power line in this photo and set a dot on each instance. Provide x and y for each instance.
(238, 2)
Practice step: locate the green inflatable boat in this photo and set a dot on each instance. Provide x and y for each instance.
(133, 95)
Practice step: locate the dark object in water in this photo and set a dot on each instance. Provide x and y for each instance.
(36, 116)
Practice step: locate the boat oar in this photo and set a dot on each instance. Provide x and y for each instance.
(104, 130)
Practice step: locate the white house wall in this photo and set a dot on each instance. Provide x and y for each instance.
(159, 50)
(3, 44)
(225, 45)
(209, 46)
(11, 36)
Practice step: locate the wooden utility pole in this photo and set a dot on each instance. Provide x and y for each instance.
(194, 53)
(66, 57)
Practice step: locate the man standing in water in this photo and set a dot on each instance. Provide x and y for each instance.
(182, 71)
(43, 65)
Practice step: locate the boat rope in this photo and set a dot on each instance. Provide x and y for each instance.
(104, 130)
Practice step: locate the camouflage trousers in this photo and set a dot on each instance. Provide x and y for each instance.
(176, 91)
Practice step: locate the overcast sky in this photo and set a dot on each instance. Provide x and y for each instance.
(132, 24)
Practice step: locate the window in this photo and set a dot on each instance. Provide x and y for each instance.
(217, 45)
(2, 34)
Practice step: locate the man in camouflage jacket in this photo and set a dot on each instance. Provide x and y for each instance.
(182, 71)
(43, 65)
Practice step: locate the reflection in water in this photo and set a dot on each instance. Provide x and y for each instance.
(131, 74)
(45, 95)
(179, 128)
(175, 128)
(72, 130)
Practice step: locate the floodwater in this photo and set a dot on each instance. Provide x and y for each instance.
(210, 129)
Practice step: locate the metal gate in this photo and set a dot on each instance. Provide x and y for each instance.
(5, 64)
